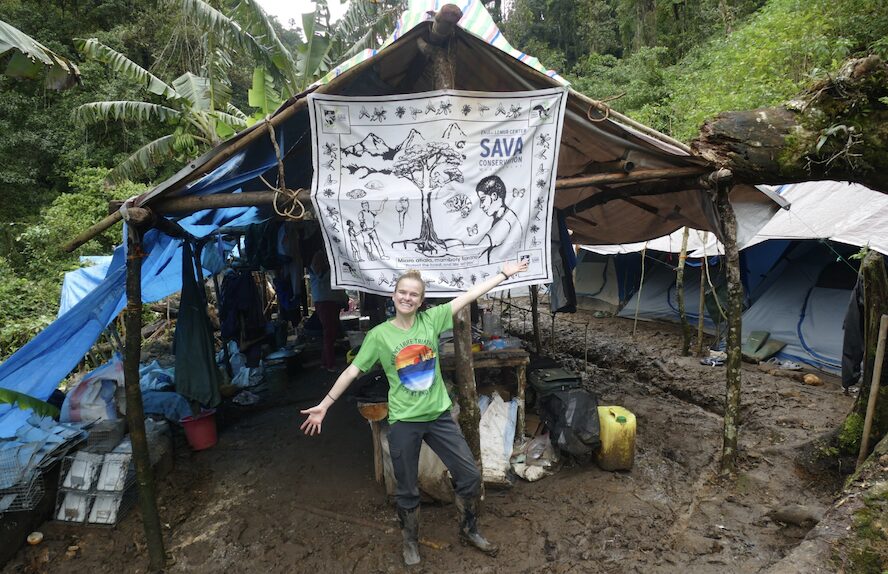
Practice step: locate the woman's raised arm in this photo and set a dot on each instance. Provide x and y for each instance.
(509, 268)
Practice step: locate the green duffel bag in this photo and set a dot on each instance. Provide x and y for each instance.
(547, 381)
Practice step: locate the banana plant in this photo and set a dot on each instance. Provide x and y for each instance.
(196, 110)
(27, 402)
(30, 59)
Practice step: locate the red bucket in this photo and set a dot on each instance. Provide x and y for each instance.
(200, 430)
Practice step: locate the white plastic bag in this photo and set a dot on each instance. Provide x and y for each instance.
(93, 398)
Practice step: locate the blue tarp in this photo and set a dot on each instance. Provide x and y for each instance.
(37, 368)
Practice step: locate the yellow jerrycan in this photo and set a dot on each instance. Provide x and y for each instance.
(617, 450)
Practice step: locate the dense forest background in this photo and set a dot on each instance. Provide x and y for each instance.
(668, 63)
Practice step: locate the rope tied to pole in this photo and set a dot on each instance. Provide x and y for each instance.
(289, 195)
(602, 107)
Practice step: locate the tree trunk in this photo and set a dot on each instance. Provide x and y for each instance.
(680, 293)
(469, 415)
(875, 304)
(835, 130)
(135, 413)
(735, 308)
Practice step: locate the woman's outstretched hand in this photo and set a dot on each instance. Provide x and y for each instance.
(312, 425)
(510, 268)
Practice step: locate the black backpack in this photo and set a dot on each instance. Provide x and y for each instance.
(572, 419)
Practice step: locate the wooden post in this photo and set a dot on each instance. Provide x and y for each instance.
(436, 50)
(874, 278)
(552, 336)
(874, 390)
(680, 294)
(535, 316)
(723, 181)
(521, 381)
(701, 308)
(640, 288)
(135, 414)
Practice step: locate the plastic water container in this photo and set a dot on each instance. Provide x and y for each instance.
(617, 450)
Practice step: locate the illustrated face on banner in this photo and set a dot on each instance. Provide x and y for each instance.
(451, 183)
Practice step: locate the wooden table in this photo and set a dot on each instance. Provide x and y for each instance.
(496, 359)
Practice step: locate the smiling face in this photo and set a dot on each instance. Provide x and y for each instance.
(408, 296)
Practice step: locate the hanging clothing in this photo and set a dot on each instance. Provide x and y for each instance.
(562, 292)
(196, 375)
(241, 315)
(852, 343)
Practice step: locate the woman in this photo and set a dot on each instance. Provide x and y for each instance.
(419, 407)
(328, 303)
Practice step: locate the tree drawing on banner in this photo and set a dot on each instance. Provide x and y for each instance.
(427, 164)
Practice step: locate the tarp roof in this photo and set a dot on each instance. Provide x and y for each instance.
(486, 62)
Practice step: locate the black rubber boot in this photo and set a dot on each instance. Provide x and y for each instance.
(410, 531)
(468, 526)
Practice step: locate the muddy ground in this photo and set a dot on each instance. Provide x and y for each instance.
(246, 504)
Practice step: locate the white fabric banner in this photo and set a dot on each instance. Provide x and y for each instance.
(451, 183)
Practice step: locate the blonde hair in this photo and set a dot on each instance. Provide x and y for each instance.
(415, 275)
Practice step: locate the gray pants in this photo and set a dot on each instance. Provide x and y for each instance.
(446, 440)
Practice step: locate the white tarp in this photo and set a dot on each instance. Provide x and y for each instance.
(844, 212)
(451, 183)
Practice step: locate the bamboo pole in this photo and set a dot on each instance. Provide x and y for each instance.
(134, 410)
(640, 287)
(701, 307)
(874, 390)
(632, 176)
(620, 118)
(535, 317)
(680, 293)
(723, 183)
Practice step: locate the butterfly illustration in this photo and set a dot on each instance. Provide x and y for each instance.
(514, 112)
(415, 112)
(364, 113)
(400, 111)
(330, 180)
(519, 191)
(431, 109)
(444, 108)
(500, 110)
(542, 153)
(473, 230)
(329, 164)
(330, 150)
(545, 139)
(482, 108)
(466, 110)
(329, 192)
(378, 115)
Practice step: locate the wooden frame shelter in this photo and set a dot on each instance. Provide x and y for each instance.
(617, 182)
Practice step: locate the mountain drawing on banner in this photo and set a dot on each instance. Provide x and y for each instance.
(455, 134)
(373, 145)
(427, 164)
(412, 139)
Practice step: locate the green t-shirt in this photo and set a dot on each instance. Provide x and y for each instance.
(410, 361)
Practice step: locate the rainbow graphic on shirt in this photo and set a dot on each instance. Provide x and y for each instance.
(416, 367)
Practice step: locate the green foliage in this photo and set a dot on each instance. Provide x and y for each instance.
(31, 274)
(850, 434)
(27, 402)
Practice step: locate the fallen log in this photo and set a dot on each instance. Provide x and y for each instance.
(834, 130)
